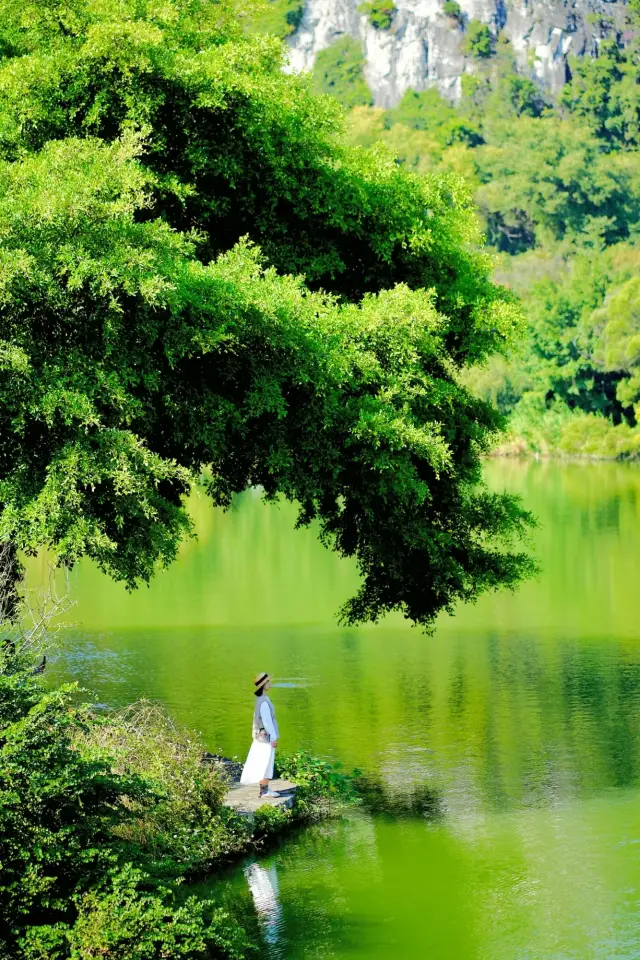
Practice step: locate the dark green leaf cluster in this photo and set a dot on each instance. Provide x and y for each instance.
(585, 335)
(478, 41)
(604, 93)
(277, 18)
(379, 13)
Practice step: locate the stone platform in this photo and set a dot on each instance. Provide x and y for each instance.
(245, 800)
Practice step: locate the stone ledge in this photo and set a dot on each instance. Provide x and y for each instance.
(245, 800)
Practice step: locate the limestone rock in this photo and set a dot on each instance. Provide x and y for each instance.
(422, 48)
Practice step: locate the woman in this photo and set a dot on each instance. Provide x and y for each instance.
(259, 765)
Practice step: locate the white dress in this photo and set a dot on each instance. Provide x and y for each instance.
(259, 763)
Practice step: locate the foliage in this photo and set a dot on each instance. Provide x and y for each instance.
(123, 921)
(615, 331)
(147, 152)
(453, 10)
(552, 429)
(269, 821)
(604, 93)
(428, 111)
(185, 829)
(379, 13)
(589, 435)
(575, 387)
(339, 72)
(414, 149)
(546, 180)
(519, 95)
(558, 193)
(278, 18)
(500, 380)
(320, 785)
(57, 807)
(478, 41)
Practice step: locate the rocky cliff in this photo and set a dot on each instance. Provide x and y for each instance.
(423, 46)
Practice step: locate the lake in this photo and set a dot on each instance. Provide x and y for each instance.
(519, 719)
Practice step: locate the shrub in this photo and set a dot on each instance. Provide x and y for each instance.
(268, 821)
(80, 799)
(478, 41)
(186, 828)
(321, 787)
(379, 13)
(58, 807)
(452, 10)
(123, 921)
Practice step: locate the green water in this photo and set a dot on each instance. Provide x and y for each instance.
(521, 716)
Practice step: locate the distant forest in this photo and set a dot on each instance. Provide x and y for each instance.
(557, 187)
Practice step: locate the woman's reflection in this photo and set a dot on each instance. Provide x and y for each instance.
(263, 883)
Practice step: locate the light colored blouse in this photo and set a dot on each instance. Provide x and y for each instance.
(267, 722)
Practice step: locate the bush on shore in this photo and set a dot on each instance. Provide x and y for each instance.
(321, 787)
(186, 829)
(556, 431)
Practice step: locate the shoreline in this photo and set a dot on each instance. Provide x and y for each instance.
(536, 455)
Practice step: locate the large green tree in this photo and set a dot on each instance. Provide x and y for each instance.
(196, 273)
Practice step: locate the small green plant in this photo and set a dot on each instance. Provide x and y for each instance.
(452, 10)
(478, 42)
(379, 13)
(268, 821)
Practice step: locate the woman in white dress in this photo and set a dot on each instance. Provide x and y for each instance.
(258, 768)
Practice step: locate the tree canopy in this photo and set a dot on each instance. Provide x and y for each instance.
(197, 274)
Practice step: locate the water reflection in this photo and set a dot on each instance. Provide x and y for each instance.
(485, 720)
(263, 884)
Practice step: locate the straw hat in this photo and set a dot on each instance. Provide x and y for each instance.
(260, 680)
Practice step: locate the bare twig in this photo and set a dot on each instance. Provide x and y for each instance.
(29, 618)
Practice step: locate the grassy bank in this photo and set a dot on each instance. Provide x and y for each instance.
(106, 820)
(559, 433)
